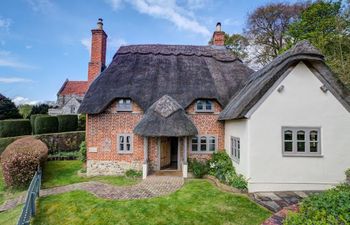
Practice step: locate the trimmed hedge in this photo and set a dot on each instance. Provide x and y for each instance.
(67, 123)
(32, 121)
(45, 124)
(82, 122)
(12, 128)
(21, 159)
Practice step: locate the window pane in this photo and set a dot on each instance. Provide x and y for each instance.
(128, 147)
(212, 140)
(212, 147)
(121, 101)
(239, 154)
(313, 146)
(288, 146)
(301, 135)
(195, 144)
(121, 147)
(313, 135)
(238, 144)
(208, 105)
(199, 105)
(121, 139)
(128, 139)
(203, 143)
(128, 101)
(194, 140)
(203, 140)
(301, 147)
(288, 135)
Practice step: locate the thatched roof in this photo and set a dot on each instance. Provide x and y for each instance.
(166, 117)
(145, 73)
(262, 80)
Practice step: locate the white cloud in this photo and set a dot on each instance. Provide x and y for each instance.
(19, 100)
(5, 23)
(42, 6)
(170, 10)
(115, 43)
(116, 4)
(28, 46)
(232, 22)
(197, 4)
(86, 42)
(10, 80)
(14, 64)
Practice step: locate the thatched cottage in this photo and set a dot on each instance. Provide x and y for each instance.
(154, 107)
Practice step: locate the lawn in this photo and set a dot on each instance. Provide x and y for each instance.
(7, 193)
(59, 173)
(10, 217)
(198, 202)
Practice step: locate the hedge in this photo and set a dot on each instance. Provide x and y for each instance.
(32, 121)
(46, 124)
(17, 127)
(67, 123)
(21, 159)
(56, 142)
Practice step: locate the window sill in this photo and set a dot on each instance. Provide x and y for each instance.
(235, 160)
(124, 110)
(203, 111)
(124, 153)
(303, 155)
(202, 153)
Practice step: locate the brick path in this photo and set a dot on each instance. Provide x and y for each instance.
(153, 186)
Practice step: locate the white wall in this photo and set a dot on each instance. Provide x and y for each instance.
(301, 103)
(239, 129)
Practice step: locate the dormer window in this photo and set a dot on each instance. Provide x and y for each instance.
(204, 106)
(124, 105)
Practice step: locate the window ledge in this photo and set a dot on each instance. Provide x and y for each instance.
(199, 153)
(235, 160)
(303, 155)
(121, 110)
(124, 153)
(204, 111)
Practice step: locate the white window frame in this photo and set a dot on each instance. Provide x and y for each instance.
(205, 102)
(124, 151)
(123, 105)
(235, 149)
(307, 141)
(207, 144)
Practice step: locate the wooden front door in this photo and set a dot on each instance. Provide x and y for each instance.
(165, 152)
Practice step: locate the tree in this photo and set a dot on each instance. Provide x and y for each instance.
(25, 110)
(8, 109)
(267, 26)
(326, 24)
(237, 44)
(40, 109)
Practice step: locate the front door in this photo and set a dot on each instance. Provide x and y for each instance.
(168, 153)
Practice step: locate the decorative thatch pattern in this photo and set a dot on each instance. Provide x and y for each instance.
(264, 79)
(165, 118)
(145, 73)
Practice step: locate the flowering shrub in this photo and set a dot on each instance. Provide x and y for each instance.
(21, 159)
(221, 167)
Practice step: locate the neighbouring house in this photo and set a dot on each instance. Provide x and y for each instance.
(286, 126)
(71, 94)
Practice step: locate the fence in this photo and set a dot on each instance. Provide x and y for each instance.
(29, 206)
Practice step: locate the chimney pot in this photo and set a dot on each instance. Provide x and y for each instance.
(218, 36)
(100, 24)
(218, 27)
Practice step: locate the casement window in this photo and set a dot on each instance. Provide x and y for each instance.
(124, 143)
(204, 144)
(124, 105)
(204, 106)
(235, 148)
(72, 109)
(301, 141)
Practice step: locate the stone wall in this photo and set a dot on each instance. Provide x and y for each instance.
(103, 167)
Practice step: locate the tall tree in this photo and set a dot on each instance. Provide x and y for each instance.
(326, 24)
(25, 110)
(267, 26)
(40, 109)
(237, 44)
(8, 109)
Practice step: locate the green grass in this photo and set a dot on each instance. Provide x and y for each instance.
(198, 202)
(7, 193)
(59, 173)
(10, 217)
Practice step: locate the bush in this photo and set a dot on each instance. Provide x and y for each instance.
(198, 168)
(82, 151)
(12, 128)
(221, 167)
(32, 121)
(82, 122)
(133, 173)
(329, 207)
(21, 159)
(4, 142)
(347, 172)
(67, 123)
(45, 124)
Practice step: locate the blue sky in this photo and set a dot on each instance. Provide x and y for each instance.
(43, 42)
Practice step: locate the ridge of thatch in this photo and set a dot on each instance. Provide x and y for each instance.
(165, 118)
(262, 80)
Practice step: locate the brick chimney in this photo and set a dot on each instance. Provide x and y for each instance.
(218, 36)
(98, 51)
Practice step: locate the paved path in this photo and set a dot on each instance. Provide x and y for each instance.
(152, 186)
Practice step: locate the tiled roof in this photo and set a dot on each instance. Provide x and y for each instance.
(74, 87)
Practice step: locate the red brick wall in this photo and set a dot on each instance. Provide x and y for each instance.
(98, 53)
(102, 131)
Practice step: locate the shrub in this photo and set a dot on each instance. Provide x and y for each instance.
(21, 159)
(198, 168)
(4, 142)
(82, 151)
(221, 167)
(45, 124)
(329, 207)
(347, 172)
(82, 122)
(11, 128)
(67, 123)
(32, 121)
(133, 173)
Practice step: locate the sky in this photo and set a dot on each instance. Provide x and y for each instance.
(44, 42)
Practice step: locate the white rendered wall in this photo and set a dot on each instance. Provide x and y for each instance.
(301, 103)
(239, 129)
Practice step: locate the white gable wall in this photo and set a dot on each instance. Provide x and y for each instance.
(301, 103)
